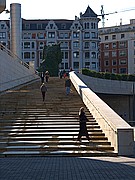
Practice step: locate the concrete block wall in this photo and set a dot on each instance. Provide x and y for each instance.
(12, 72)
(118, 132)
(105, 86)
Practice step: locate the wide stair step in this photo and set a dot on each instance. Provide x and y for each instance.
(29, 127)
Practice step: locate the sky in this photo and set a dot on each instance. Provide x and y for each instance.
(68, 9)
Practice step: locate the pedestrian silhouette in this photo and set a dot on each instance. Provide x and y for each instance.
(83, 128)
(43, 89)
(47, 76)
(67, 85)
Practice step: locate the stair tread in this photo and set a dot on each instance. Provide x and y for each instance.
(29, 127)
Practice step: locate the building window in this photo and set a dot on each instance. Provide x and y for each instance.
(51, 34)
(33, 55)
(106, 63)
(66, 55)
(75, 44)
(63, 26)
(27, 26)
(40, 55)
(93, 45)
(39, 26)
(76, 65)
(106, 54)
(114, 45)
(26, 55)
(86, 45)
(75, 34)
(122, 53)
(2, 26)
(87, 25)
(64, 45)
(114, 62)
(26, 45)
(62, 55)
(87, 64)
(122, 36)
(41, 45)
(122, 44)
(106, 46)
(27, 36)
(86, 35)
(93, 35)
(33, 36)
(123, 71)
(114, 53)
(106, 38)
(93, 64)
(134, 43)
(66, 35)
(113, 37)
(2, 35)
(93, 25)
(40, 35)
(61, 35)
(87, 55)
(76, 54)
(66, 65)
(93, 55)
(114, 70)
(122, 62)
(33, 45)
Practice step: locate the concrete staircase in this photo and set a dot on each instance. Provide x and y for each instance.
(29, 127)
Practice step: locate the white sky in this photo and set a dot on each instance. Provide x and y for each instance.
(68, 9)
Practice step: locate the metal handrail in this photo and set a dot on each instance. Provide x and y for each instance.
(10, 53)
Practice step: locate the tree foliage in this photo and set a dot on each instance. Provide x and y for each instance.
(52, 56)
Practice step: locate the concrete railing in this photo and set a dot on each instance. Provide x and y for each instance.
(118, 132)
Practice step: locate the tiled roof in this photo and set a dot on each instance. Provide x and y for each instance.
(62, 24)
(89, 13)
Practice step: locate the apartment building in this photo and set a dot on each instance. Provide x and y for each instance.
(117, 48)
(78, 39)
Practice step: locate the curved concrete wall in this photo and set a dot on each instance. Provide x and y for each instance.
(105, 86)
(118, 132)
(13, 73)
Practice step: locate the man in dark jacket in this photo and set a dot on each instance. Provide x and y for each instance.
(67, 85)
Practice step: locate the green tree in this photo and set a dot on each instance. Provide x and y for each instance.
(52, 56)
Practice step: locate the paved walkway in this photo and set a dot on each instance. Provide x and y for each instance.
(67, 168)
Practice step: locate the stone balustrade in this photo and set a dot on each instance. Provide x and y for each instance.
(118, 132)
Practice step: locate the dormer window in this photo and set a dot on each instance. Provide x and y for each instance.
(3, 26)
(63, 26)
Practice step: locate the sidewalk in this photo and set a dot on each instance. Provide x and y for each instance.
(67, 168)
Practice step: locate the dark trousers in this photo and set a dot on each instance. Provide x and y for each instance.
(47, 78)
(83, 131)
(43, 96)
